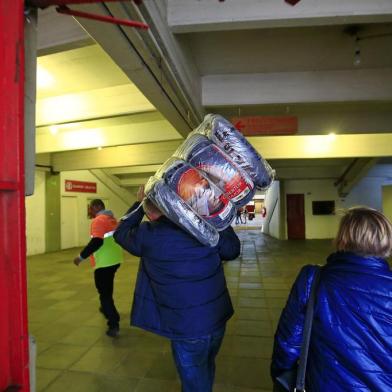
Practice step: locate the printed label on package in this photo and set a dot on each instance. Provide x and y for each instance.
(222, 173)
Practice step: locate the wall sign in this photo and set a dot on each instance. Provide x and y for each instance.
(80, 186)
(266, 125)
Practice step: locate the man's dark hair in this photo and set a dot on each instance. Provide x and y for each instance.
(97, 203)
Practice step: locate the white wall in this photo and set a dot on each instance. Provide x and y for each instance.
(387, 201)
(271, 224)
(112, 201)
(368, 191)
(316, 226)
(35, 216)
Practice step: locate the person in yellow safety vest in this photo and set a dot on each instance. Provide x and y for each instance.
(106, 256)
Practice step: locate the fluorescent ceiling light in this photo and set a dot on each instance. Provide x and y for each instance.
(44, 78)
(331, 136)
(53, 129)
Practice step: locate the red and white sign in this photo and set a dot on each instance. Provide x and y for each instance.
(80, 186)
(266, 125)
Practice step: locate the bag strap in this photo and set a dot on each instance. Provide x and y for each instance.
(301, 371)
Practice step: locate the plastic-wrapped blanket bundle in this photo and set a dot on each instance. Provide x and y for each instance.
(219, 168)
(198, 192)
(211, 174)
(180, 212)
(223, 134)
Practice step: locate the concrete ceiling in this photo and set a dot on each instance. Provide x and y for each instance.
(123, 89)
(321, 48)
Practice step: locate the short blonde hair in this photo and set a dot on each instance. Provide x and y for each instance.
(364, 231)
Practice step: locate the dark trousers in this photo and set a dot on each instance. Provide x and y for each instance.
(104, 279)
(195, 361)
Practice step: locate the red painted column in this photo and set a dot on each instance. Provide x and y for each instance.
(13, 299)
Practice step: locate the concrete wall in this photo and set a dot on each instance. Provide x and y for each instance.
(112, 201)
(387, 201)
(373, 191)
(272, 223)
(53, 211)
(39, 208)
(316, 226)
(35, 216)
(368, 191)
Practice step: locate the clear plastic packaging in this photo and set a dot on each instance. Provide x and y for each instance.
(214, 171)
(222, 133)
(198, 191)
(202, 154)
(180, 212)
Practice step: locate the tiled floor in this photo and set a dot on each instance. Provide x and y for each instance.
(75, 354)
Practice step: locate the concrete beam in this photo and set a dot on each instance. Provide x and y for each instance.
(134, 181)
(138, 55)
(126, 196)
(132, 155)
(188, 16)
(270, 147)
(57, 32)
(323, 146)
(43, 159)
(134, 169)
(108, 101)
(134, 129)
(308, 172)
(179, 62)
(354, 173)
(313, 119)
(298, 87)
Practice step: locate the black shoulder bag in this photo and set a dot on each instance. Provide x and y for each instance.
(294, 380)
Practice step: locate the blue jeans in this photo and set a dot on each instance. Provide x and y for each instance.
(195, 361)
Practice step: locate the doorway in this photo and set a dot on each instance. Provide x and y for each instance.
(295, 216)
(69, 222)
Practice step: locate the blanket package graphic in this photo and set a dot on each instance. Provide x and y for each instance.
(212, 174)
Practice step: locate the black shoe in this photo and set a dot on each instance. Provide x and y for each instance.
(113, 332)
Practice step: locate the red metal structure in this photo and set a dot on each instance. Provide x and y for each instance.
(14, 372)
(62, 8)
(47, 3)
(102, 18)
(14, 339)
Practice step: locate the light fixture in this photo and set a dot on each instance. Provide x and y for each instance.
(99, 148)
(331, 136)
(53, 129)
(44, 78)
(84, 138)
(357, 33)
(357, 53)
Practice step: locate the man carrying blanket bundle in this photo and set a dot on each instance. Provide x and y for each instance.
(181, 290)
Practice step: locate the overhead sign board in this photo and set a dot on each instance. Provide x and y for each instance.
(80, 186)
(266, 125)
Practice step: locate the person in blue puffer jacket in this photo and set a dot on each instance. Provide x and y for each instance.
(351, 340)
(181, 290)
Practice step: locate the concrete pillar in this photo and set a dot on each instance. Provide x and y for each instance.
(30, 98)
(52, 212)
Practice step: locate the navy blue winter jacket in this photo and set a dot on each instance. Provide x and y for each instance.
(351, 341)
(181, 288)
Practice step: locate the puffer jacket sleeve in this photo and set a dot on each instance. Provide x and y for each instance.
(288, 336)
(229, 246)
(129, 233)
